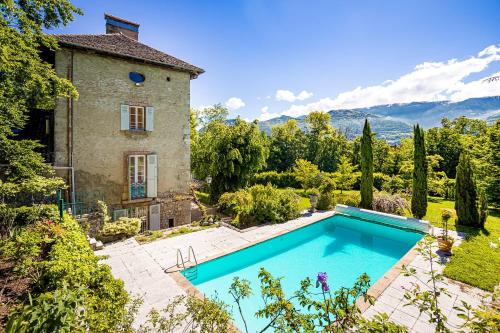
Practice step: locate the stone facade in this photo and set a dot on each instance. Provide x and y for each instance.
(100, 149)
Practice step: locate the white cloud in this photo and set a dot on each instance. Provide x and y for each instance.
(266, 115)
(235, 103)
(288, 96)
(429, 81)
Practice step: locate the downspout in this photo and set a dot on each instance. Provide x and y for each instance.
(70, 135)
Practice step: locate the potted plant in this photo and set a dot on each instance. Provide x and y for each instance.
(444, 241)
(313, 198)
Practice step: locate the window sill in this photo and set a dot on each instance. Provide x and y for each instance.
(140, 200)
(136, 132)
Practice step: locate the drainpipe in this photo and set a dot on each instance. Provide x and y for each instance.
(70, 107)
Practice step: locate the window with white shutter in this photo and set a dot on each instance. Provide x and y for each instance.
(152, 176)
(124, 117)
(150, 117)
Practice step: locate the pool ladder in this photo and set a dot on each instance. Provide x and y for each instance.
(190, 272)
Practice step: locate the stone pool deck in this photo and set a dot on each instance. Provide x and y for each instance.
(142, 269)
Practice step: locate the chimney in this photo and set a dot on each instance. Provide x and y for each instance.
(116, 25)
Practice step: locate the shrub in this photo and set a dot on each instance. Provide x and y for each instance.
(326, 198)
(379, 179)
(260, 203)
(349, 199)
(123, 228)
(234, 203)
(68, 272)
(278, 179)
(390, 203)
(326, 201)
(394, 184)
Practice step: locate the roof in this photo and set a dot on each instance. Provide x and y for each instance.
(119, 45)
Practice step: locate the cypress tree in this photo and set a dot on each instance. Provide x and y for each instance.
(465, 193)
(419, 193)
(366, 163)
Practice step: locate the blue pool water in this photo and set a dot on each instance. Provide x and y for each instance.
(341, 246)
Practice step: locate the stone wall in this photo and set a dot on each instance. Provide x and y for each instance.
(100, 147)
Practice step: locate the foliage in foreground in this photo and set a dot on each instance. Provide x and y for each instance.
(26, 83)
(70, 290)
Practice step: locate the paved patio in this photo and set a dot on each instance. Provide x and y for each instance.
(141, 267)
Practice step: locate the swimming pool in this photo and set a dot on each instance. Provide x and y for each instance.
(342, 246)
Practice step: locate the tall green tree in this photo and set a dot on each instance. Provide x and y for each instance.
(366, 164)
(27, 83)
(230, 155)
(493, 186)
(287, 145)
(419, 189)
(465, 193)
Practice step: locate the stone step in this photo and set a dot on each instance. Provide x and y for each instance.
(99, 245)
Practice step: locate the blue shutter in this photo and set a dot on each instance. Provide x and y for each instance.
(124, 117)
(150, 118)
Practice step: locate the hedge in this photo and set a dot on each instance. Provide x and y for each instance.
(278, 179)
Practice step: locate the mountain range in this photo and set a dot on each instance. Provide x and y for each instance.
(393, 122)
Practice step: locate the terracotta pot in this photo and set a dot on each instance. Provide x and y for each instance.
(445, 245)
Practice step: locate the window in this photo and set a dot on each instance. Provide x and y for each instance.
(137, 176)
(136, 114)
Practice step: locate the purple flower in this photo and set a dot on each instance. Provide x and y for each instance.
(322, 280)
(322, 277)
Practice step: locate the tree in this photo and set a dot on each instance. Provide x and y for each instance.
(445, 141)
(366, 163)
(419, 189)
(493, 186)
(287, 145)
(28, 83)
(483, 207)
(307, 174)
(230, 155)
(324, 144)
(345, 174)
(465, 193)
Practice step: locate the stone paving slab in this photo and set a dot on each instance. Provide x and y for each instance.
(142, 269)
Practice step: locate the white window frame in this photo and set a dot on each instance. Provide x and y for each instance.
(134, 159)
(134, 111)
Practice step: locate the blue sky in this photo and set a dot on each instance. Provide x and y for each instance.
(264, 58)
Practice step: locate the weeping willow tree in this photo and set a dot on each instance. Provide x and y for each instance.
(366, 164)
(229, 155)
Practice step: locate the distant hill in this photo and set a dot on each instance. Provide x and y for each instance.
(394, 121)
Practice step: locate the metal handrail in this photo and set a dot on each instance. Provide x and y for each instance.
(179, 253)
(191, 250)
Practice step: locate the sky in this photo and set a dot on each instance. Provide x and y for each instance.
(266, 58)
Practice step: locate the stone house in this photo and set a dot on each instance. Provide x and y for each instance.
(127, 135)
